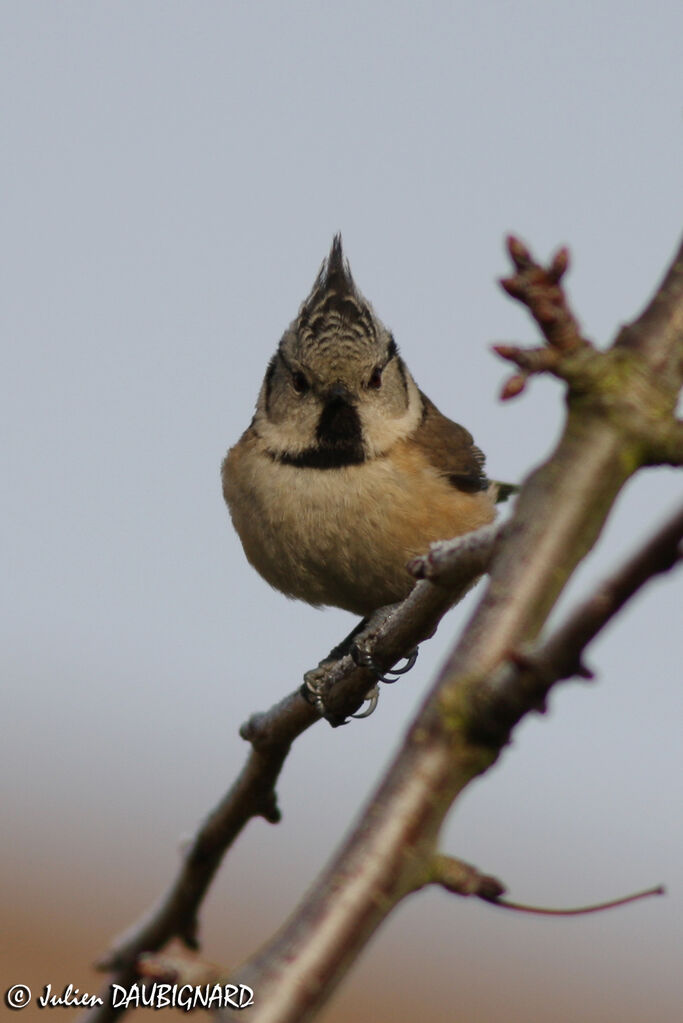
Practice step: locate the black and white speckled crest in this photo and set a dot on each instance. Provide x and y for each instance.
(335, 310)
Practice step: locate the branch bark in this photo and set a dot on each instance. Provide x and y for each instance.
(620, 416)
(271, 734)
(617, 406)
(526, 678)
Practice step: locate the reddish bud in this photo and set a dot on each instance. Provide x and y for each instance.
(510, 352)
(518, 251)
(514, 287)
(514, 386)
(560, 264)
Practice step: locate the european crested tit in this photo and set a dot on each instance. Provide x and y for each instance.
(347, 471)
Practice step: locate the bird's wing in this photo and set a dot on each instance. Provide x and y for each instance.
(450, 449)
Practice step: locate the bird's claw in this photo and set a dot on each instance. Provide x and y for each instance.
(312, 689)
(372, 698)
(366, 661)
(312, 692)
(363, 659)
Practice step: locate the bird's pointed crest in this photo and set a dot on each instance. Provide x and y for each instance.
(334, 288)
(336, 271)
(334, 302)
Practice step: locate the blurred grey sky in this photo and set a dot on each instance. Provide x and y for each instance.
(171, 178)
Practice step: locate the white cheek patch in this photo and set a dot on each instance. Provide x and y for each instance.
(290, 436)
(381, 432)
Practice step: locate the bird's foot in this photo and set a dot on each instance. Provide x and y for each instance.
(359, 645)
(363, 659)
(313, 689)
(313, 685)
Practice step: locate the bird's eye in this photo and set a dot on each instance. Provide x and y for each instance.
(375, 380)
(299, 382)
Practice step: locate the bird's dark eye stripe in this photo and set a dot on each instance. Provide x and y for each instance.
(376, 378)
(402, 372)
(300, 382)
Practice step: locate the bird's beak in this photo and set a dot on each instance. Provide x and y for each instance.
(338, 392)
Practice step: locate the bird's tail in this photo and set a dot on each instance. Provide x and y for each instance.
(502, 491)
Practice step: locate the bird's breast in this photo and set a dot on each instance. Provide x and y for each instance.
(342, 536)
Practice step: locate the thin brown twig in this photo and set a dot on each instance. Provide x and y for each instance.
(450, 562)
(461, 878)
(271, 735)
(597, 907)
(539, 288)
(414, 621)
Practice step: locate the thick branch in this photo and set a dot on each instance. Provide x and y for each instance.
(559, 515)
(657, 332)
(527, 678)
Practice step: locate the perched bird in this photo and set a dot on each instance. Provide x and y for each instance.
(347, 470)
